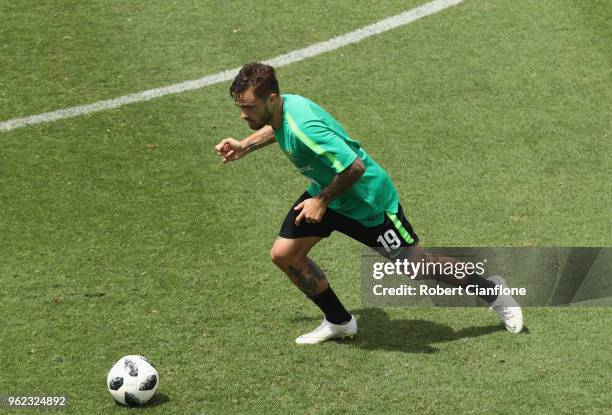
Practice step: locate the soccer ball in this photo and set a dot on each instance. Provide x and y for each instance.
(133, 380)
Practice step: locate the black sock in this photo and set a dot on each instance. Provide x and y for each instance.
(331, 306)
(482, 283)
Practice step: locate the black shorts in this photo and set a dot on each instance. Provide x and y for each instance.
(393, 233)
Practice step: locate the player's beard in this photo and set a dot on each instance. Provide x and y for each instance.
(266, 119)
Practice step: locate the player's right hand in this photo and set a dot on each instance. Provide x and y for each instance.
(229, 149)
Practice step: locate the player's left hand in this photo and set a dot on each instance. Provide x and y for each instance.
(313, 210)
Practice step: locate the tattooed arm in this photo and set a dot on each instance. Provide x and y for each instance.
(259, 139)
(342, 181)
(314, 208)
(231, 149)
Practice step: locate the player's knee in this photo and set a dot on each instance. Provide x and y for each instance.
(280, 255)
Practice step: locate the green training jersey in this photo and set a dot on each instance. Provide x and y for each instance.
(320, 148)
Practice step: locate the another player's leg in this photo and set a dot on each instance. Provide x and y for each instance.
(290, 255)
(505, 306)
(395, 239)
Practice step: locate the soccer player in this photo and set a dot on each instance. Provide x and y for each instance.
(349, 192)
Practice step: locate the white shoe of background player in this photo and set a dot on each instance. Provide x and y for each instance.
(506, 307)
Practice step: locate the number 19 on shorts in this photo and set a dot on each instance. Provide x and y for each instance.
(389, 240)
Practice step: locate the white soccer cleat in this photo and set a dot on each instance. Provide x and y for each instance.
(328, 331)
(506, 307)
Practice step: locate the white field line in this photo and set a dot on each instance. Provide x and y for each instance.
(279, 61)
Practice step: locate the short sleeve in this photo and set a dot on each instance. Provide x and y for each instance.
(329, 147)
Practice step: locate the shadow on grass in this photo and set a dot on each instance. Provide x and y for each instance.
(378, 332)
(157, 400)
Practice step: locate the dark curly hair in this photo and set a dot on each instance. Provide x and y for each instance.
(258, 75)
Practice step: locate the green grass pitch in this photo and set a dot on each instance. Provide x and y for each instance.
(122, 233)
